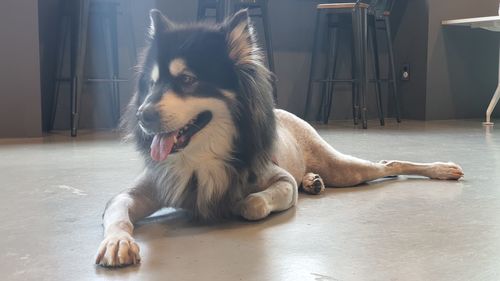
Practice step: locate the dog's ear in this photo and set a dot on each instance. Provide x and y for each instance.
(159, 23)
(241, 40)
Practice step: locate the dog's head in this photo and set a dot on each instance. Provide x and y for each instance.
(202, 87)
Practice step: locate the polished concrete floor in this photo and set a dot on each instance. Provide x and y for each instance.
(54, 190)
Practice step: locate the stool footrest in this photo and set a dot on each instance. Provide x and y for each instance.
(335, 80)
(63, 79)
(105, 80)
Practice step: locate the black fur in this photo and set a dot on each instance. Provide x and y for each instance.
(205, 49)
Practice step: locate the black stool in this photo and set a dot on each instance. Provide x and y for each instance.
(363, 26)
(257, 9)
(74, 28)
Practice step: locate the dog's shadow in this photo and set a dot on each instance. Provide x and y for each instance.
(169, 223)
(176, 222)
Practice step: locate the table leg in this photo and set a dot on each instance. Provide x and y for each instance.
(494, 99)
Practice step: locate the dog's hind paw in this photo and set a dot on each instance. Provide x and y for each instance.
(117, 251)
(445, 171)
(312, 184)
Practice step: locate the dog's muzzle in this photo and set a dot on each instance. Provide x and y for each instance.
(149, 118)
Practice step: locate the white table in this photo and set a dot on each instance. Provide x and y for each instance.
(491, 24)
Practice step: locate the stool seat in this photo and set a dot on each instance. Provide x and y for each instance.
(342, 5)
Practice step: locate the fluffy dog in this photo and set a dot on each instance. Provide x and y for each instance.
(204, 121)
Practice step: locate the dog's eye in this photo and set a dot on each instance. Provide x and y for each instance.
(187, 80)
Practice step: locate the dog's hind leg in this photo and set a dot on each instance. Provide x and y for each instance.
(280, 193)
(340, 170)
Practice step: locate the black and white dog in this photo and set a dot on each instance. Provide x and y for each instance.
(204, 121)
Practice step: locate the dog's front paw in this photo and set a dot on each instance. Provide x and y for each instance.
(118, 250)
(255, 207)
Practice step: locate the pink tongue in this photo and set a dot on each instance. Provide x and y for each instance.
(162, 146)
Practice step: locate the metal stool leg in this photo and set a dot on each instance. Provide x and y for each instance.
(354, 83)
(130, 32)
(267, 34)
(73, 79)
(332, 66)
(109, 32)
(392, 69)
(311, 69)
(113, 28)
(325, 89)
(321, 113)
(269, 45)
(104, 34)
(200, 14)
(64, 33)
(79, 49)
(363, 28)
(223, 10)
(106, 31)
(360, 35)
(376, 68)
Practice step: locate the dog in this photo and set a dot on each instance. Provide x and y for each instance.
(204, 120)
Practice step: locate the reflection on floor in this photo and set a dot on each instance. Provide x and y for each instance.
(54, 190)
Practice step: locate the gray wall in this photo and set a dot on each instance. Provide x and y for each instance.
(462, 63)
(410, 46)
(20, 103)
(454, 69)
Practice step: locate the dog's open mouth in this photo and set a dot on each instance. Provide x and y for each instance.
(165, 144)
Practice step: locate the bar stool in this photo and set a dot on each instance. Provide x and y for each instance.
(363, 28)
(74, 30)
(257, 9)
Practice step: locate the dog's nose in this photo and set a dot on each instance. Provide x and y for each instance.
(149, 117)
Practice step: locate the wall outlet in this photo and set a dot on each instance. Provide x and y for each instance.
(405, 72)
